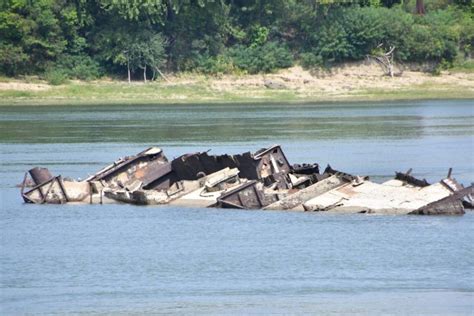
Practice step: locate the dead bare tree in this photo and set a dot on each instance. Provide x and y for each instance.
(384, 59)
(155, 70)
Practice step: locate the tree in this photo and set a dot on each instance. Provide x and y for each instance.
(384, 59)
(86, 38)
(138, 10)
(420, 7)
(196, 29)
(31, 35)
(147, 50)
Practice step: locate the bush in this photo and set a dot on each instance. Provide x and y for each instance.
(365, 30)
(248, 59)
(12, 60)
(346, 34)
(221, 64)
(332, 44)
(352, 33)
(55, 77)
(434, 37)
(397, 25)
(264, 58)
(310, 60)
(464, 65)
(80, 67)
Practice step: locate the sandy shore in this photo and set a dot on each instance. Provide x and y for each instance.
(353, 82)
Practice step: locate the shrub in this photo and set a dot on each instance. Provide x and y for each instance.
(264, 58)
(80, 67)
(347, 34)
(12, 60)
(55, 77)
(364, 29)
(332, 44)
(464, 65)
(433, 37)
(221, 64)
(397, 25)
(353, 32)
(310, 60)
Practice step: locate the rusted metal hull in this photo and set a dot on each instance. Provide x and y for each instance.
(295, 201)
(51, 191)
(249, 195)
(450, 205)
(261, 180)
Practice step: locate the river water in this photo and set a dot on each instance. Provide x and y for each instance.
(122, 259)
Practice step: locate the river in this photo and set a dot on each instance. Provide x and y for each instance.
(122, 259)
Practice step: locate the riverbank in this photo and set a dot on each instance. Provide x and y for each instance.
(357, 82)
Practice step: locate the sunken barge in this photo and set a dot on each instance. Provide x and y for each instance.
(263, 180)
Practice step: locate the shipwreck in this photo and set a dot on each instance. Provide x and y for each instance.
(263, 180)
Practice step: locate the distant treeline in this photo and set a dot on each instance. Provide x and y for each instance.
(86, 39)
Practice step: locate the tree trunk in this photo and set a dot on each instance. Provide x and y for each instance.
(385, 60)
(161, 74)
(420, 7)
(144, 74)
(128, 71)
(390, 70)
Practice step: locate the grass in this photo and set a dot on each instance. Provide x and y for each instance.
(113, 92)
(465, 66)
(14, 94)
(423, 91)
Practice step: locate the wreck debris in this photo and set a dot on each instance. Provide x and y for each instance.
(145, 167)
(46, 189)
(250, 195)
(211, 188)
(261, 180)
(40, 175)
(292, 201)
(452, 204)
(409, 179)
(391, 197)
(258, 166)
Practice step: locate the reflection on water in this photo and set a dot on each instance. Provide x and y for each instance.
(371, 139)
(129, 259)
(224, 123)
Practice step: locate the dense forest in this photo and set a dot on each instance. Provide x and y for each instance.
(87, 39)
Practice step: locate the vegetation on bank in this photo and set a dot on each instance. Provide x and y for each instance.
(88, 39)
(360, 83)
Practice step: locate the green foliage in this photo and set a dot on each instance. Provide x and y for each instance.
(247, 59)
(34, 34)
(80, 67)
(332, 42)
(137, 9)
(398, 25)
(437, 36)
(352, 33)
(12, 59)
(55, 77)
(365, 29)
(259, 36)
(85, 39)
(196, 31)
(265, 58)
(464, 66)
(221, 64)
(146, 50)
(310, 60)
